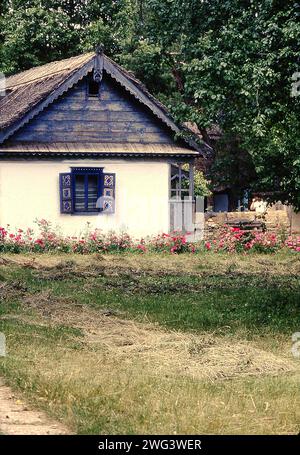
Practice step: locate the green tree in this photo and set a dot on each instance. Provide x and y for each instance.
(231, 64)
(38, 31)
(224, 62)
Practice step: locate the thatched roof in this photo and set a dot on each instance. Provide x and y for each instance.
(26, 89)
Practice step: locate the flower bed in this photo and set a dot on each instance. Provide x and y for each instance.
(239, 240)
(47, 239)
(293, 243)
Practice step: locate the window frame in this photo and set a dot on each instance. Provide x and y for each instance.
(86, 172)
(89, 82)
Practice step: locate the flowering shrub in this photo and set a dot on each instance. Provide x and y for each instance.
(238, 240)
(48, 239)
(98, 242)
(25, 241)
(293, 243)
(173, 243)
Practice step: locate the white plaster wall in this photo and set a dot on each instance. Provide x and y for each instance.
(30, 190)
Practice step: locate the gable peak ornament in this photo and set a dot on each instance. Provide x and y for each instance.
(98, 63)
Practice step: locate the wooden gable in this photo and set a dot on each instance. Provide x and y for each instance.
(114, 116)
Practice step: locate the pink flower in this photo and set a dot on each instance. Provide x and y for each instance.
(208, 245)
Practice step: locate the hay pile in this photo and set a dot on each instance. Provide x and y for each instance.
(203, 356)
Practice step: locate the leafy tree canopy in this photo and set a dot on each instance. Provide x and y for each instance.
(224, 62)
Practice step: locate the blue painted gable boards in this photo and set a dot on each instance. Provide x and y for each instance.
(112, 117)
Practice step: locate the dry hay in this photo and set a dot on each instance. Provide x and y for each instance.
(164, 352)
(11, 290)
(60, 267)
(204, 356)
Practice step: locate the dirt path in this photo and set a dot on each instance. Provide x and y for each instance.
(16, 417)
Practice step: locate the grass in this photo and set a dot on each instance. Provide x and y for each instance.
(155, 344)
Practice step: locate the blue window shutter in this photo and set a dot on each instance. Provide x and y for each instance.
(109, 193)
(65, 186)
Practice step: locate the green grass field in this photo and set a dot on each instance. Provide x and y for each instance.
(155, 343)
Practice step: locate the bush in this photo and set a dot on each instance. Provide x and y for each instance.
(48, 239)
(238, 240)
(293, 243)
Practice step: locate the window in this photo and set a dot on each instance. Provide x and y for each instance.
(87, 183)
(81, 189)
(93, 87)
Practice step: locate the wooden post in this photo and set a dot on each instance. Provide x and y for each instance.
(191, 181)
(180, 179)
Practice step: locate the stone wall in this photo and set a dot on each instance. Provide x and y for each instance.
(295, 221)
(274, 220)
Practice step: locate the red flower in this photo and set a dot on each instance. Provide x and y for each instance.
(40, 242)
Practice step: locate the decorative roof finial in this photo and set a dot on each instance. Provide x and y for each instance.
(99, 63)
(99, 49)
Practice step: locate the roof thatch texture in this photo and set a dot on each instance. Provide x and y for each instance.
(25, 90)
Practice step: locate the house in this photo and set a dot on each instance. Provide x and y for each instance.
(81, 140)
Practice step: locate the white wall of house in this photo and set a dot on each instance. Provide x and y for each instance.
(30, 190)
